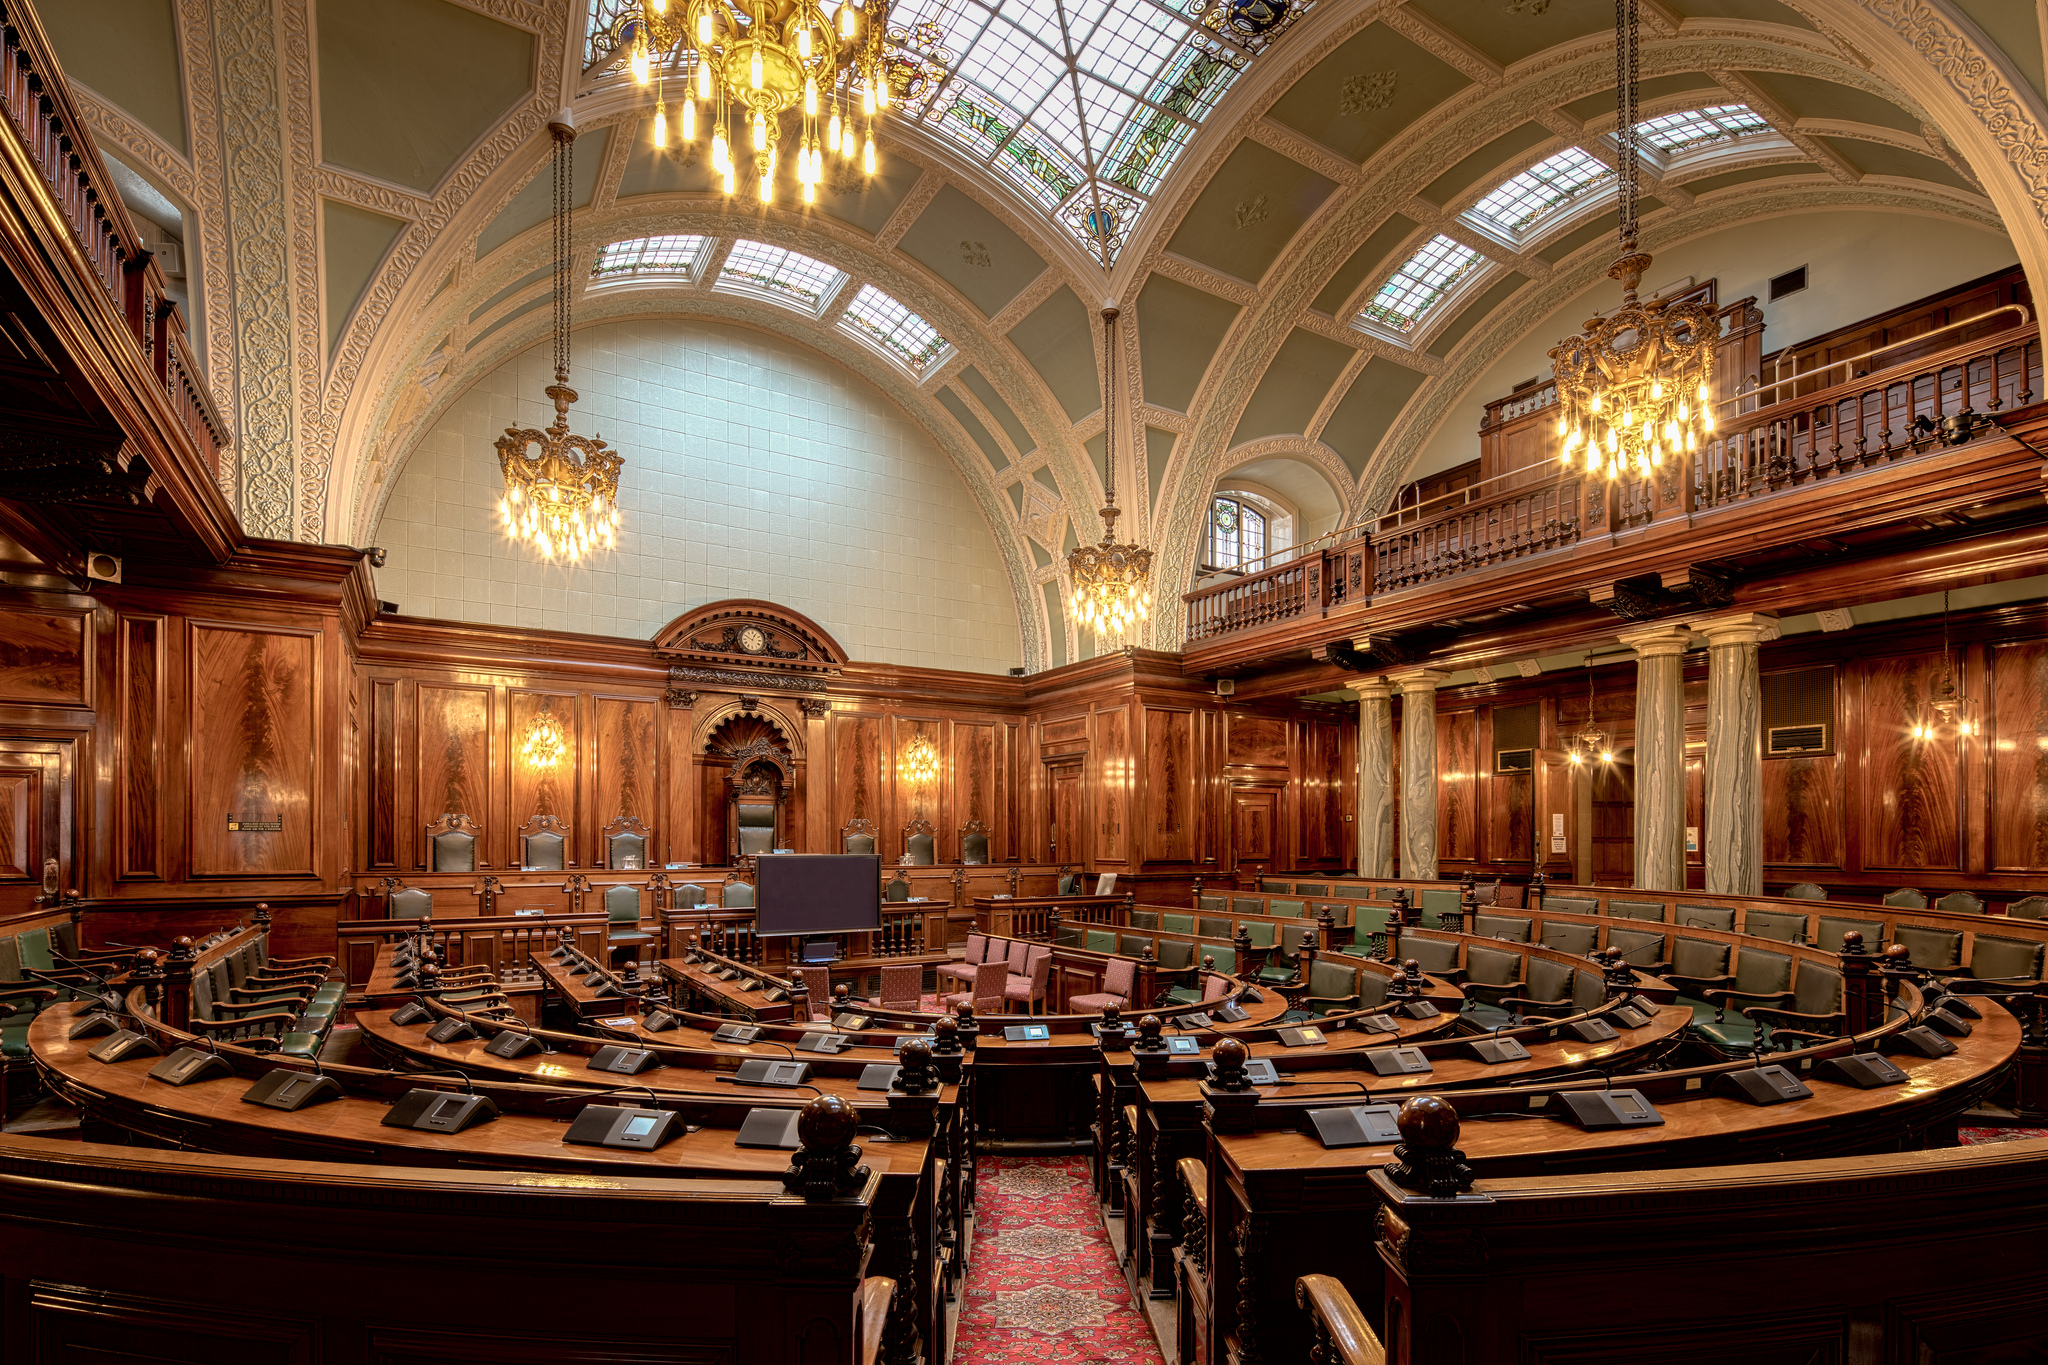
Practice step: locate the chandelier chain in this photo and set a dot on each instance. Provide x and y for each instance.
(1626, 40)
(1109, 316)
(565, 175)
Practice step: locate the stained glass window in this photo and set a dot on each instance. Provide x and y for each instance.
(901, 332)
(650, 256)
(1420, 283)
(1533, 194)
(785, 274)
(1670, 133)
(1237, 534)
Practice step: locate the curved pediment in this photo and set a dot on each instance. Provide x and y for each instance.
(746, 633)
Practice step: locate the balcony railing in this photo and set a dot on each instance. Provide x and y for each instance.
(1861, 423)
(39, 107)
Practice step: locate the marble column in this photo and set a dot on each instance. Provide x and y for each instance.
(1660, 755)
(1418, 772)
(1734, 837)
(1375, 777)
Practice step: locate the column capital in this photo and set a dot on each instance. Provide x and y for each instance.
(1739, 628)
(1417, 680)
(1663, 640)
(1371, 689)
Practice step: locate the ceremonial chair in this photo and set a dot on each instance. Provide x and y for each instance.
(625, 844)
(962, 967)
(622, 921)
(736, 896)
(898, 889)
(987, 992)
(1119, 978)
(1906, 898)
(974, 844)
(1959, 903)
(1812, 1008)
(902, 987)
(451, 843)
(1806, 891)
(754, 828)
(919, 844)
(857, 837)
(543, 845)
(408, 902)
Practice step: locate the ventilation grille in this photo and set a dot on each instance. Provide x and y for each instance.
(1514, 727)
(1798, 739)
(1797, 699)
(1514, 760)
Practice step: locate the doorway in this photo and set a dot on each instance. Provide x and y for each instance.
(1614, 821)
(1066, 839)
(1254, 818)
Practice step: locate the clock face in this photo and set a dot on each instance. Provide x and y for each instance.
(752, 640)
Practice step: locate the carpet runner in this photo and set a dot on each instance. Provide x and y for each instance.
(1978, 1137)
(1043, 1285)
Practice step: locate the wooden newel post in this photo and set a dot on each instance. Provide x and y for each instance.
(1052, 925)
(1537, 886)
(827, 1166)
(1250, 961)
(1326, 927)
(148, 977)
(177, 998)
(263, 916)
(1427, 1158)
(1862, 987)
(1195, 903)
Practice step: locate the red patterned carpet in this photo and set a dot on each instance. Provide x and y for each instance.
(1043, 1285)
(1978, 1137)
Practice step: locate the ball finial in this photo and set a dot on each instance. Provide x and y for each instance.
(1428, 1121)
(828, 1121)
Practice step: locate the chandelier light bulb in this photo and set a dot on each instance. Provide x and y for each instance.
(754, 73)
(689, 120)
(661, 6)
(832, 130)
(867, 99)
(1596, 400)
(768, 188)
(703, 28)
(721, 157)
(760, 132)
(810, 193)
(867, 156)
(703, 77)
(642, 71)
(803, 43)
(846, 18)
(661, 125)
(731, 179)
(1656, 390)
(847, 146)
(810, 90)
(881, 78)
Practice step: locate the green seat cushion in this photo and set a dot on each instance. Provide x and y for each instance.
(1577, 939)
(1099, 941)
(1488, 1017)
(330, 995)
(1183, 995)
(1178, 924)
(1513, 928)
(1782, 925)
(1262, 935)
(14, 1040)
(1276, 972)
(299, 1045)
(1735, 1032)
(1291, 909)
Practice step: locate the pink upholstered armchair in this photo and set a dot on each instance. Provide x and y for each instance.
(987, 991)
(963, 969)
(1116, 989)
(902, 987)
(1028, 989)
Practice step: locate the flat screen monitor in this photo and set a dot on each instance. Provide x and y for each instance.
(818, 893)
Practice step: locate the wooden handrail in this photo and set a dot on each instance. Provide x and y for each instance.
(2026, 317)
(1343, 1336)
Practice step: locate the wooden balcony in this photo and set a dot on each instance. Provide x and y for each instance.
(113, 439)
(1915, 442)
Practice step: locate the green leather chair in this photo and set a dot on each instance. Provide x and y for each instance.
(1131, 945)
(736, 896)
(1513, 928)
(1438, 901)
(1698, 966)
(1814, 1005)
(1642, 949)
(2033, 907)
(1706, 917)
(1372, 989)
(1760, 978)
(622, 919)
(1906, 898)
(1310, 889)
(1290, 909)
(1577, 939)
(1493, 974)
(1099, 941)
(1548, 990)
(1783, 925)
(1247, 905)
(1177, 924)
(1571, 905)
(1366, 921)
(1437, 956)
(1226, 962)
(1215, 926)
(1175, 955)
(1212, 905)
(1831, 930)
(1959, 903)
(1932, 950)
(2005, 959)
(1806, 891)
(1144, 919)
(1633, 909)
(1269, 885)
(1333, 988)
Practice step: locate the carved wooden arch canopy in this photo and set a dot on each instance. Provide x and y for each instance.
(743, 644)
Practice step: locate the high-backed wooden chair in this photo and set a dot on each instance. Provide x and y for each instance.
(1806, 891)
(736, 896)
(857, 837)
(625, 844)
(543, 845)
(1959, 903)
(974, 843)
(754, 827)
(452, 843)
(919, 843)
(1906, 898)
(897, 889)
(622, 920)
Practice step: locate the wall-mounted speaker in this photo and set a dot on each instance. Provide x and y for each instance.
(102, 567)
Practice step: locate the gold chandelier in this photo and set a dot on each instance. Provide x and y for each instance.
(1110, 583)
(750, 62)
(562, 501)
(1636, 386)
(545, 744)
(920, 761)
(1950, 710)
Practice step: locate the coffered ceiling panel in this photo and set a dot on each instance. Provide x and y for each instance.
(1368, 408)
(1763, 11)
(977, 384)
(1364, 261)
(1179, 329)
(1252, 208)
(866, 201)
(126, 50)
(408, 86)
(1509, 30)
(1474, 312)
(976, 432)
(1483, 163)
(1601, 104)
(1293, 387)
(1707, 184)
(1806, 97)
(679, 168)
(971, 249)
(1359, 96)
(531, 206)
(352, 244)
(1877, 158)
(1057, 338)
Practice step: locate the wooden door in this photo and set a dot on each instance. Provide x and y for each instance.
(1614, 821)
(1066, 838)
(35, 821)
(1254, 816)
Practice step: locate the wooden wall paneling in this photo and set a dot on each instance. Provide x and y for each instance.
(976, 766)
(857, 776)
(679, 836)
(1908, 808)
(381, 814)
(21, 805)
(43, 658)
(1457, 812)
(1557, 795)
(1113, 785)
(139, 766)
(2016, 735)
(254, 708)
(452, 745)
(1254, 741)
(531, 790)
(1325, 834)
(1168, 736)
(908, 800)
(1802, 797)
(38, 818)
(625, 760)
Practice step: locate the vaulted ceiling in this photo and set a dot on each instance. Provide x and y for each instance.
(363, 188)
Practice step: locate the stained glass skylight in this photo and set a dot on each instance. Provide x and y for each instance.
(649, 256)
(1083, 105)
(1420, 283)
(1670, 133)
(783, 274)
(895, 328)
(1534, 193)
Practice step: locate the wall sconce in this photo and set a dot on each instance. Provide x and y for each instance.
(919, 764)
(545, 744)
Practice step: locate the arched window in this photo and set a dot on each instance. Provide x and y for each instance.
(1237, 534)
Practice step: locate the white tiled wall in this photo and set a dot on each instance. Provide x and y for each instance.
(754, 468)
